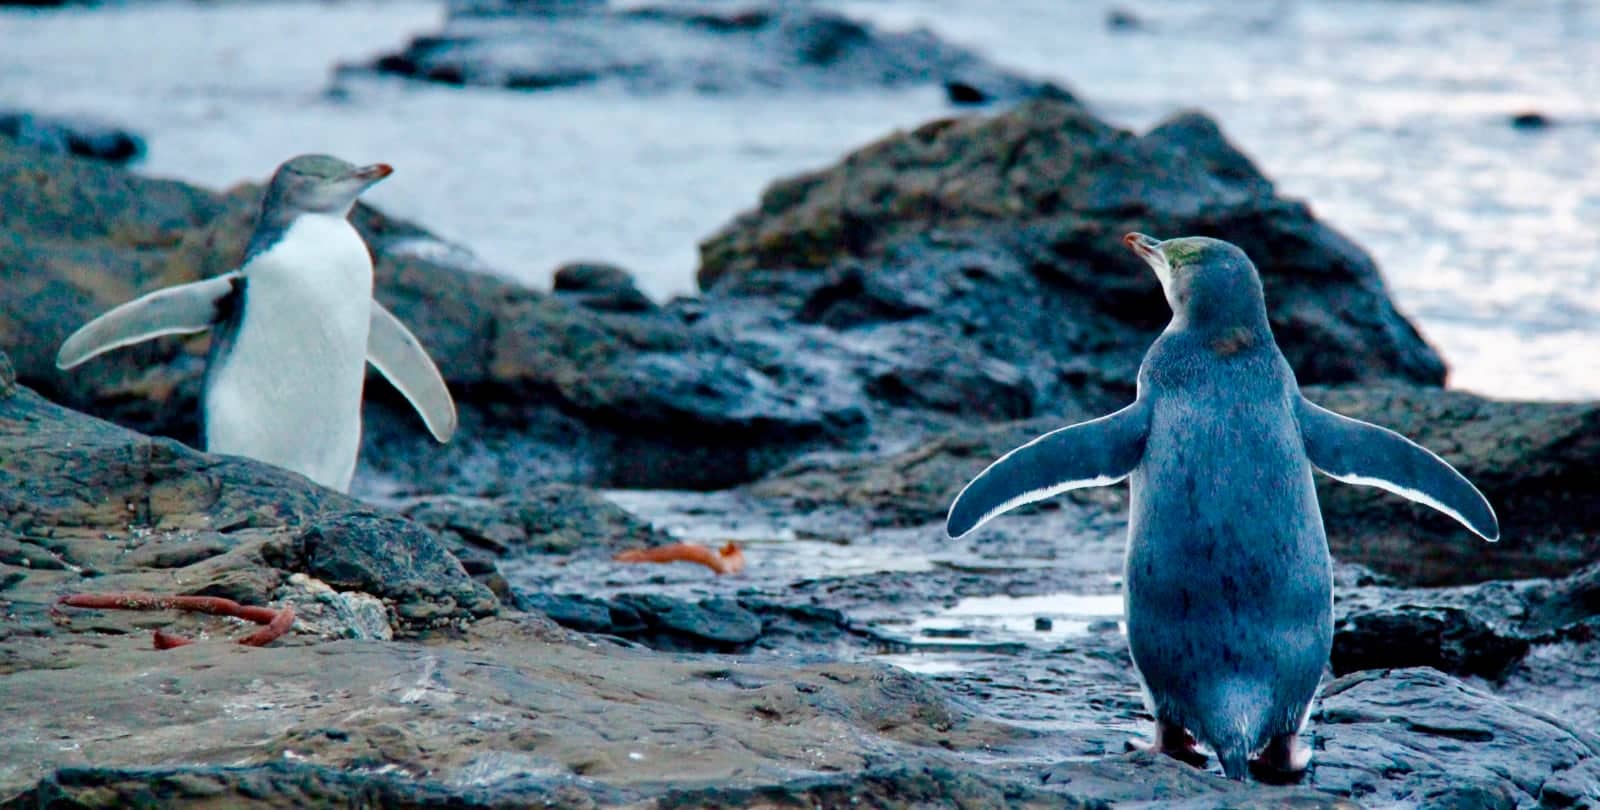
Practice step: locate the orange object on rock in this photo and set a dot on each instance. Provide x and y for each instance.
(277, 621)
(728, 560)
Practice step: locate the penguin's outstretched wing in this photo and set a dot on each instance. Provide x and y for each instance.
(181, 310)
(394, 351)
(1089, 454)
(1357, 452)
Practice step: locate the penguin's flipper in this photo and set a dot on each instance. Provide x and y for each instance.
(394, 351)
(1089, 454)
(181, 310)
(1357, 452)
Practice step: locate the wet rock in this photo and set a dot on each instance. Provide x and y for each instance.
(601, 286)
(1528, 638)
(887, 787)
(549, 519)
(330, 614)
(994, 243)
(1451, 639)
(509, 713)
(78, 136)
(1531, 459)
(389, 556)
(1122, 20)
(1418, 736)
(670, 623)
(1578, 786)
(289, 784)
(907, 488)
(88, 506)
(673, 46)
(1531, 120)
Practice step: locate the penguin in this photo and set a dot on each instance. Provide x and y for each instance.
(1228, 584)
(292, 331)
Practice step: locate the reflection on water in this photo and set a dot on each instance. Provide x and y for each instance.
(969, 633)
(1392, 118)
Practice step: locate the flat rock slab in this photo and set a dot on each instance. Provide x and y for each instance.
(508, 698)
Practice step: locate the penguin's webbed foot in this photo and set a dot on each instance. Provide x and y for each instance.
(1173, 741)
(1283, 761)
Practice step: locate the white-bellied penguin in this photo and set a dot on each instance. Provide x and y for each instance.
(294, 327)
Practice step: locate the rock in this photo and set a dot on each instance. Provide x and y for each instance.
(1578, 786)
(322, 611)
(510, 713)
(1451, 639)
(994, 243)
(886, 787)
(1531, 459)
(669, 623)
(1529, 638)
(1122, 20)
(287, 784)
(88, 506)
(677, 46)
(911, 487)
(549, 519)
(1418, 736)
(78, 136)
(390, 556)
(1531, 120)
(601, 286)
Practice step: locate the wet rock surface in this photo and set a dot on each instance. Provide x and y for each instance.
(871, 336)
(1528, 458)
(661, 47)
(1005, 232)
(88, 506)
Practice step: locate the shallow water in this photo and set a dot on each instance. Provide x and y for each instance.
(1391, 117)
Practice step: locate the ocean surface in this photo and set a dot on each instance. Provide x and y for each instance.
(1391, 117)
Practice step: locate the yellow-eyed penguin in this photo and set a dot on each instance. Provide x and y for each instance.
(294, 327)
(1228, 582)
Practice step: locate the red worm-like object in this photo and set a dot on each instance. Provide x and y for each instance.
(728, 560)
(277, 621)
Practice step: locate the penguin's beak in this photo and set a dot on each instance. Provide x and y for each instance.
(367, 175)
(1145, 247)
(1149, 249)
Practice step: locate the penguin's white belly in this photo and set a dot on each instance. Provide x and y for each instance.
(289, 390)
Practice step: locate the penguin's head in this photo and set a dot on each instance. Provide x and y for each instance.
(321, 184)
(1205, 280)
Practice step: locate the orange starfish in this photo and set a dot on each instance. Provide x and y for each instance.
(277, 622)
(728, 560)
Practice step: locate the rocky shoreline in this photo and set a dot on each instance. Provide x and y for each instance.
(869, 336)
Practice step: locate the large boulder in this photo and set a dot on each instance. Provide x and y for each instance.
(983, 256)
(677, 46)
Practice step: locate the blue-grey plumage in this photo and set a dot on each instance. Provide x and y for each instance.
(1228, 581)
